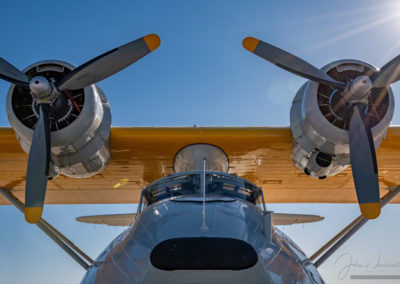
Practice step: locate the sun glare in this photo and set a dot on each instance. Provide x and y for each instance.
(385, 16)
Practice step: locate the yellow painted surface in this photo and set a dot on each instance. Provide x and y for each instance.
(33, 214)
(370, 210)
(250, 43)
(153, 41)
(141, 155)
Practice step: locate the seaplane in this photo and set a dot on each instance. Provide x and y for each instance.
(202, 192)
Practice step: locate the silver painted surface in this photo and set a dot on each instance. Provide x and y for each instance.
(80, 149)
(40, 87)
(313, 133)
(127, 258)
(359, 88)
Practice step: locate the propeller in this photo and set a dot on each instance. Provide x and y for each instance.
(388, 74)
(45, 92)
(11, 74)
(355, 94)
(38, 167)
(363, 164)
(289, 62)
(108, 63)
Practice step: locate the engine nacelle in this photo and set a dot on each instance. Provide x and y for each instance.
(80, 127)
(320, 126)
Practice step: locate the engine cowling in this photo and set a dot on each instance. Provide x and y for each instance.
(80, 123)
(320, 126)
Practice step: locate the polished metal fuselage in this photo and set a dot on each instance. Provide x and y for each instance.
(127, 258)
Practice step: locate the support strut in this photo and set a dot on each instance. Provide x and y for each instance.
(82, 258)
(337, 241)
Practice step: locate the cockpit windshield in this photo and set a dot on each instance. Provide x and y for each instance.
(190, 184)
(217, 184)
(173, 186)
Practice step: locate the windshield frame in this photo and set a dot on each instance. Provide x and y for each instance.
(201, 174)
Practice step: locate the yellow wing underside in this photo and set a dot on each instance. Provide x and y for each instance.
(140, 155)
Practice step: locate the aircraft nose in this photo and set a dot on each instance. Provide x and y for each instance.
(169, 238)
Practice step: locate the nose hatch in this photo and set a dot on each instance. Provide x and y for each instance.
(203, 253)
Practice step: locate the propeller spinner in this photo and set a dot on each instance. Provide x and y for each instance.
(355, 95)
(45, 93)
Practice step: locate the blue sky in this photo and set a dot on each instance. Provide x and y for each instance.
(200, 75)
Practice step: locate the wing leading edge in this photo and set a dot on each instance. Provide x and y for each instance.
(140, 155)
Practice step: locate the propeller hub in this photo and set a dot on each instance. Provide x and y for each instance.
(40, 88)
(359, 88)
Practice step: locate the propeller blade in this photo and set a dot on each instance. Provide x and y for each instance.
(38, 167)
(388, 74)
(289, 62)
(11, 74)
(108, 63)
(363, 164)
